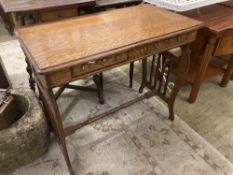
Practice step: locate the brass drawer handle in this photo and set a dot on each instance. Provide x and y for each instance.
(91, 62)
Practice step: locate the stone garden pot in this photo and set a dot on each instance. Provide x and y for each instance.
(27, 138)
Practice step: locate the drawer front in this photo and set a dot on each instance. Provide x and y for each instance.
(225, 46)
(92, 66)
(58, 14)
(57, 78)
(161, 46)
(65, 76)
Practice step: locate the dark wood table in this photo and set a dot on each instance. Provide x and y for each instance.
(47, 10)
(216, 39)
(101, 42)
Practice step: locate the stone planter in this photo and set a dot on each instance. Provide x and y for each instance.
(27, 138)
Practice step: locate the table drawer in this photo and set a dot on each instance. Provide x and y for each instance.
(225, 46)
(57, 14)
(65, 76)
(92, 66)
(161, 46)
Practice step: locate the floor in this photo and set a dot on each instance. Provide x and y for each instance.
(211, 116)
(4, 35)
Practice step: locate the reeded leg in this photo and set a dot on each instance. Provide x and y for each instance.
(131, 71)
(228, 74)
(53, 113)
(31, 81)
(98, 79)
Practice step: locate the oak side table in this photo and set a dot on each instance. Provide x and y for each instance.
(100, 42)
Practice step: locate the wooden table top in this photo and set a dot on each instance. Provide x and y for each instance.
(73, 41)
(33, 5)
(216, 17)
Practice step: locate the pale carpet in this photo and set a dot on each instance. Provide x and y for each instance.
(139, 140)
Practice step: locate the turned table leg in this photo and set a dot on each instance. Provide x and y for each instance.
(98, 79)
(131, 71)
(31, 81)
(12, 22)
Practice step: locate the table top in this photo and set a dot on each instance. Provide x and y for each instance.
(33, 5)
(73, 41)
(217, 18)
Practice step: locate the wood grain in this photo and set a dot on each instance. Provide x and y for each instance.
(73, 41)
(217, 18)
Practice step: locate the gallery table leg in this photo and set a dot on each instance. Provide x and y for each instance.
(184, 63)
(53, 113)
